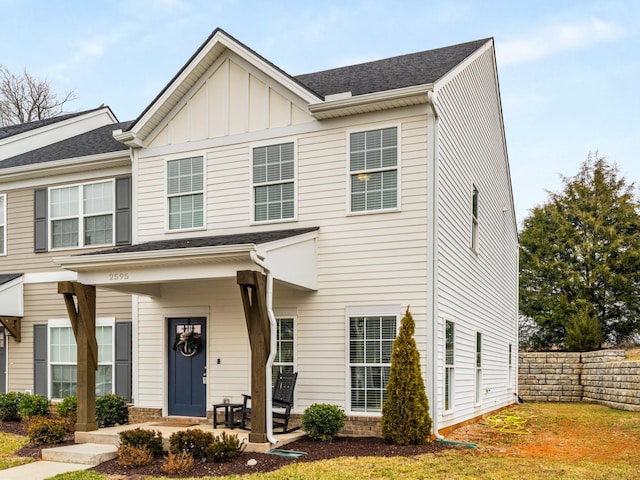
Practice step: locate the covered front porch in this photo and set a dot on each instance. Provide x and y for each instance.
(218, 290)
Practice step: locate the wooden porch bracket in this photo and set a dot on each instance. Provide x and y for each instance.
(12, 324)
(82, 314)
(254, 300)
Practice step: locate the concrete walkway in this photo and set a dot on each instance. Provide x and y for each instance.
(40, 470)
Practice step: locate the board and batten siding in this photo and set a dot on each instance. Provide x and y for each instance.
(476, 290)
(377, 259)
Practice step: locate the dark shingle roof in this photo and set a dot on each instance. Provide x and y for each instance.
(256, 238)
(93, 142)
(391, 73)
(12, 130)
(7, 277)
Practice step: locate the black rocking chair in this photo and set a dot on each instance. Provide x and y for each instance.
(282, 401)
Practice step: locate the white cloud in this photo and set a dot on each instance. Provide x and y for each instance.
(550, 40)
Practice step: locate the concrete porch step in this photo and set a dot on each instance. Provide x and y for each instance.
(82, 453)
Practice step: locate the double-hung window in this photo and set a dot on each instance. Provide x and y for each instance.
(478, 367)
(449, 364)
(185, 193)
(284, 360)
(475, 224)
(63, 360)
(373, 169)
(273, 182)
(370, 345)
(3, 224)
(82, 215)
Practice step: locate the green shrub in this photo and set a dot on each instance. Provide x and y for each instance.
(405, 413)
(9, 402)
(68, 409)
(111, 410)
(225, 448)
(178, 463)
(46, 431)
(139, 437)
(33, 406)
(322, 421)
(194, 442)
(131, 456)
(582, 329)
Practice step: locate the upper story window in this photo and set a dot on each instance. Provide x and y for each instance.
(3, 224)
(474, 219)
(185, 192)
(373, 168)
(273, 182)
(81, 215)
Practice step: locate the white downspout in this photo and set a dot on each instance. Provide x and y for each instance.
(274, 345)
(434, 265)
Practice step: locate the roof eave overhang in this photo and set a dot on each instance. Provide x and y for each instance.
(12, 298)
(372, 102)
(120, 158)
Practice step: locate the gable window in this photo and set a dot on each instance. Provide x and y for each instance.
(63, 360)
(81, 215)
(373, 169)
(284, 360)
(474, 220)
(370, 345)
(185, 193)
(478, 367)
(3, 224)
(273, 182)
(449, 364)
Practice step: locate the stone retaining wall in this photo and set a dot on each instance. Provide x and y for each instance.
(598, 377)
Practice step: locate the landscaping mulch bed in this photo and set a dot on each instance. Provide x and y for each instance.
(339, 447)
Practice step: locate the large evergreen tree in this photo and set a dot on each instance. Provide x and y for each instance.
(405, 413)
(580, 255)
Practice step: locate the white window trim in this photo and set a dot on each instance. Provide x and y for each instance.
(252, 216)
(182, 156)
(398, 169)
(66, 323)
(3, 223)
(364, 311)
(452, 367)
(295, 339)
(478, 369)
(81, 216)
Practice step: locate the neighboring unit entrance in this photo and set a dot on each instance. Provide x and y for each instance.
(3, 361)
(187, 367)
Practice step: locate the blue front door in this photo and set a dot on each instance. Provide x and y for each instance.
(187, 367)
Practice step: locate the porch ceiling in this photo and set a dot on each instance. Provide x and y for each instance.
(11, 295)
(141, 269)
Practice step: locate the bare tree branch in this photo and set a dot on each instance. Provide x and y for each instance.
(26, 98)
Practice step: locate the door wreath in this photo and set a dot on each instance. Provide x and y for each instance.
(188, 343)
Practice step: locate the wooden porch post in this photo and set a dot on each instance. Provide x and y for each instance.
(83, 322)
(12, 324)
(254, 300)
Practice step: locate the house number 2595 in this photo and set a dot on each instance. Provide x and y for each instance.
(118, 276)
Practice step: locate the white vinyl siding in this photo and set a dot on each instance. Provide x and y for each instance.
(373, 169)
(63, 368)
(185, 193)
(81, 215)
(370, 346)
(3, 224)
(273, 182)
(449, 364)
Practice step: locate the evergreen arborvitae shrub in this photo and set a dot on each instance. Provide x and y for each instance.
(582, 330)
(405, 413)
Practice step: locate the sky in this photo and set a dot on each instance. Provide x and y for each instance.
(569, 71)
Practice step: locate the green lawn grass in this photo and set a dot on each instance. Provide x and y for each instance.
(9, 445)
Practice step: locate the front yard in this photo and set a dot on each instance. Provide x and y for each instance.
(530, 441)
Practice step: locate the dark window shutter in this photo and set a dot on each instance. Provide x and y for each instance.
(40, 369)
(123, 211)
(40, 220)
(123, 360)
